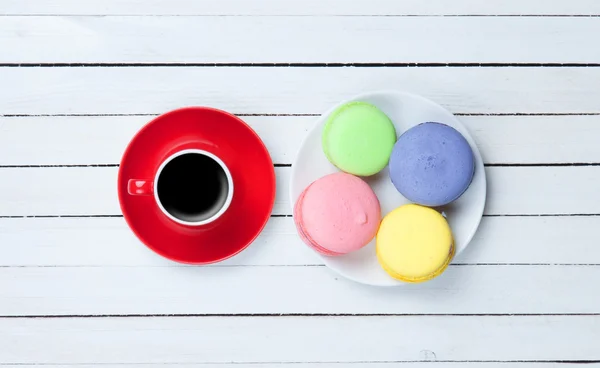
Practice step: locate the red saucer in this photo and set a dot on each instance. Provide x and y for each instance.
(240, 149)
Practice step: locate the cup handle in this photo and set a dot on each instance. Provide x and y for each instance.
(140, 187)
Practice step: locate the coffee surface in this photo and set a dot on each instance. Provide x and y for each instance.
(192, 187)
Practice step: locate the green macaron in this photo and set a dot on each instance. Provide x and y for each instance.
(358, 138)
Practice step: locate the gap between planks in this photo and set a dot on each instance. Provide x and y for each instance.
(300, 364)
(282, 215)
(316, 265)
(370, 363)
(198, 15)
(292, 315)
(549, 164)
(306, 114)
(302, 65)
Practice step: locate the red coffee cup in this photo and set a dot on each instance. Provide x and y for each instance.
(196, 185)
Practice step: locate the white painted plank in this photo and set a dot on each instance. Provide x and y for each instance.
(93, 191)
(98, 241)
(102, 139)
(299, 7)
(536, 139)
(542, 190)
(102, 242)
(477, 289)
(279, 340)
(292, 90)
(336, 39)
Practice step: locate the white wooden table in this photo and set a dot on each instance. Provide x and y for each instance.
(79, 78)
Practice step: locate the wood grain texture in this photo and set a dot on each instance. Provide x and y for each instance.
(84, 292)
(299, 7)
(102, 139)
(93, 191)
(292, 339)
(491, 289)
(292, 90)
(107, 242)
(336, 39)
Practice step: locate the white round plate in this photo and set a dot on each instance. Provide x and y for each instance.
(405, 110)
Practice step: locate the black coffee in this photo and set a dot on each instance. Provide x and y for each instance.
(192, 187)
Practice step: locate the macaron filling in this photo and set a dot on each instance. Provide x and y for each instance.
(417, 279)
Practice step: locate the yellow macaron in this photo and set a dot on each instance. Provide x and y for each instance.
(414, 243)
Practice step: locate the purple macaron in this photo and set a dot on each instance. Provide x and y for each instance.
(432, 164)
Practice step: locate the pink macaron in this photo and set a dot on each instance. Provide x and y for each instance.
(337, 214)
